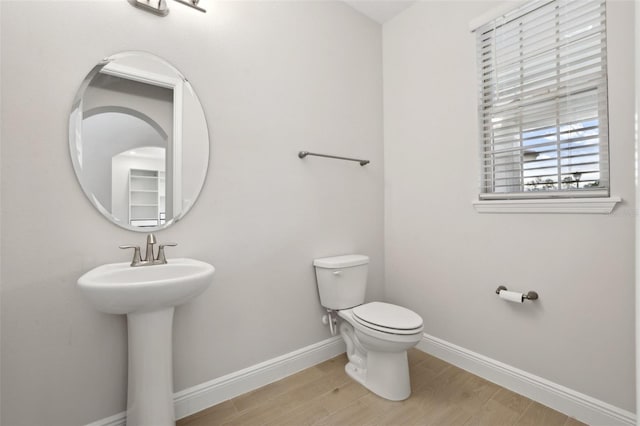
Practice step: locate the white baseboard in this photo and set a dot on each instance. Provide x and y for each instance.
(205, 395)
(208, 394)
(119, 419)
(575, 404)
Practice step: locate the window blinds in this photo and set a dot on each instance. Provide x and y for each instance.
(543, 101)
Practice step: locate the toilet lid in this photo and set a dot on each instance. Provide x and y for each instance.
(388, 316)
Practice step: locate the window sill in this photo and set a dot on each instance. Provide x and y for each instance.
(573, 205)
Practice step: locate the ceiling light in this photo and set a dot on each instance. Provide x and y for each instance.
(159, 7)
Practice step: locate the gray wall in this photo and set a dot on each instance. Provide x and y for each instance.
(445, 260)
(273, 78)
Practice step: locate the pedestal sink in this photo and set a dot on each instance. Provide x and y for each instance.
(148, 296)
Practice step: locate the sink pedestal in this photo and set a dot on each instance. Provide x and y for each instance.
(150, 388)
(148, 296)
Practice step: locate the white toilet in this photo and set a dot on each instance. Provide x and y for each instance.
(377, 334)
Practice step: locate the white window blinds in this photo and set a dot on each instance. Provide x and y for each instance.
(543, 101)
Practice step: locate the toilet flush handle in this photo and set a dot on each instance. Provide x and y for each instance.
(337, 272)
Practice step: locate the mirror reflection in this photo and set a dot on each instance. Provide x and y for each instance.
(139, 141)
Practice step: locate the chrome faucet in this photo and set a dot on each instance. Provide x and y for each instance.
(149, 258)
(151, 240)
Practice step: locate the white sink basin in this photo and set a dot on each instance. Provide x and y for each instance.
(119, 288)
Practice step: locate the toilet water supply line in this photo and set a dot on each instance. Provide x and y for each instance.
(331, 320)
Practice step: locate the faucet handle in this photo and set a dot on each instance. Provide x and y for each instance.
(136, 254)
(161, 257)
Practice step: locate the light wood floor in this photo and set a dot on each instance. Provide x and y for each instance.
(324, 395)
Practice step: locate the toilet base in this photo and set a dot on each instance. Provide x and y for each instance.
(378, 361)
(386, 375)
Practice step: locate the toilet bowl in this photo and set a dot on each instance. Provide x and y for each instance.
(377, 334)
(378, 354)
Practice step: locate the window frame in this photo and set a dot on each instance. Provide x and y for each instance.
(522, 197)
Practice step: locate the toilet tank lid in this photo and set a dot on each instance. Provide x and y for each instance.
(341, 261)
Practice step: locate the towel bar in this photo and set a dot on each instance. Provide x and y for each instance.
(303, 154)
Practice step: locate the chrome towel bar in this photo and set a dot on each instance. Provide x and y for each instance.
(303, 154)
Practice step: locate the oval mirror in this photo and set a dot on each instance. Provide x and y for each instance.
(139, 141)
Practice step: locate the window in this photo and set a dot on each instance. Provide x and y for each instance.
(543, 102)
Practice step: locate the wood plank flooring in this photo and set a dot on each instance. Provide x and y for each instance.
(324, 395)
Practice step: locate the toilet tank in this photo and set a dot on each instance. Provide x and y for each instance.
(342, 280)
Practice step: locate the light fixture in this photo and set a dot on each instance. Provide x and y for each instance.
(159, 7)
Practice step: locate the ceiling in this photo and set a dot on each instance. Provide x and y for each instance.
(380, 10)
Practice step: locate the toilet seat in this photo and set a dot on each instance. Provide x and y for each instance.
(387, 318)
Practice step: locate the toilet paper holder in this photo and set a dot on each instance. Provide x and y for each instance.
(531, 295)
